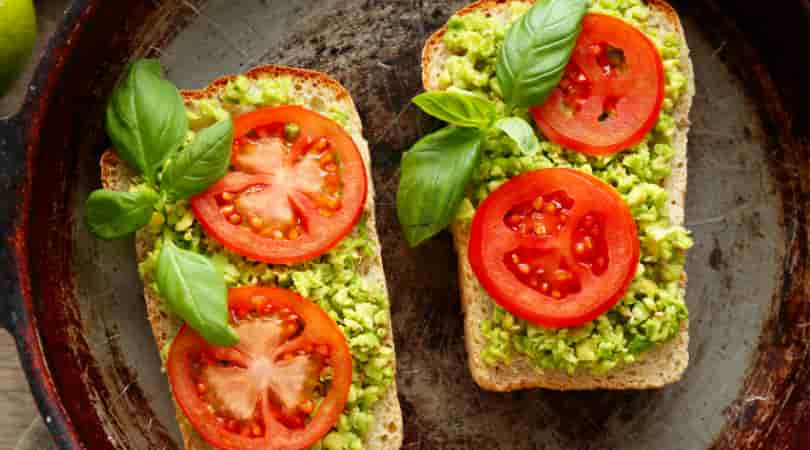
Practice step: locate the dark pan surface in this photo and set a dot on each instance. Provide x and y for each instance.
(747, 385)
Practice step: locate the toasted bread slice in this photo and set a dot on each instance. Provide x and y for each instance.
(664, 363)
(316, 90)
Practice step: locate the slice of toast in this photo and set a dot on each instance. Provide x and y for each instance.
(315, 91)
(661, 365)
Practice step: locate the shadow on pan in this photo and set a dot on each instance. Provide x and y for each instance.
(76, 309)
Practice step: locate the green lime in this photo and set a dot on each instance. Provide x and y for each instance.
(18, 31)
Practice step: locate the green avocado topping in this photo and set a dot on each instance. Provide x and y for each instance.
(653, 309)
(336, 281)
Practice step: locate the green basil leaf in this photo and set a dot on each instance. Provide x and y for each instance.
(146, 119)
(195, 291)
(457, 108)
(111, 214)
(203, 162)
(434, 174)
(519, 131)
(536, 50)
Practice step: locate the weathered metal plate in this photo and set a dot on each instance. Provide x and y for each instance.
(747, 275)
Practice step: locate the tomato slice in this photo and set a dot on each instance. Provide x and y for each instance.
(287, 198)
(556, 247)
(611, 93)
(283, 386)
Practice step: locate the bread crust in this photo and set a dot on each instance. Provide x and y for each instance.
(386, 433)
(663, 364)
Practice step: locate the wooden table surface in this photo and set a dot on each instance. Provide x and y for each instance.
(17, 408)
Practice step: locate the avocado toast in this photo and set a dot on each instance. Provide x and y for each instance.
(642, 341)
(347, 282)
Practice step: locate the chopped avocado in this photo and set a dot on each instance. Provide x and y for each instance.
(334, 280)
(653, 308)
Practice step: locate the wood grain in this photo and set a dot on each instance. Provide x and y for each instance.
(17, 408)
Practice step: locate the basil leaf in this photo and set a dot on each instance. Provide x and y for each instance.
(146, 119)
(195, 291)
(457, 108)
(111, 214)
(536, 50)
(435, 172)
(519, 131)
(203, 162)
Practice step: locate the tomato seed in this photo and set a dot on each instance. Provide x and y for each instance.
(515, 258)
(235, 219)
(307, 407)
(556, 294)
(227, 196)
(563, 275)
(227, 210)
(540, 229)
(524, 268)
(545, 287)
(202, 388)
(320, 145)
(331, 167)
(256, 430)
(256, 222)
(595, 229)
(579, 248)
(326, 158)
(293, 234)
(588, 242)
(278, 234)
(538, 203)
(514, 219)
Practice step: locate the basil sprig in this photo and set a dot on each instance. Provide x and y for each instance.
(536, 50)
(112, 214)
(146, 121)
(434, 174)
(205, 161)
(189, 282)
(463, 109)
(437, 169)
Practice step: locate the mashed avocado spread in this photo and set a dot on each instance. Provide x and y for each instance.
(334, 281)
(653, 309)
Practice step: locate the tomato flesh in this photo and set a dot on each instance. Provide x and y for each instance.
(287, 198)
(611, 93)
(268, 390)
(556, 247)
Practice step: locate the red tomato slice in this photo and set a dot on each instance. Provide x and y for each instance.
(556, 247)
(612, 91)
(285, 201)
(261, 393)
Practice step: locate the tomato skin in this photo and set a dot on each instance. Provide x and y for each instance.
(320, 329)
(640, 92)
(323, 232)
(490, 240)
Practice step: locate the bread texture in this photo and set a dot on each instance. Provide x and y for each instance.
(316, 91)
(661, 365)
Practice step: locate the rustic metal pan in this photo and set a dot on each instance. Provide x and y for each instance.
(75, 304)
